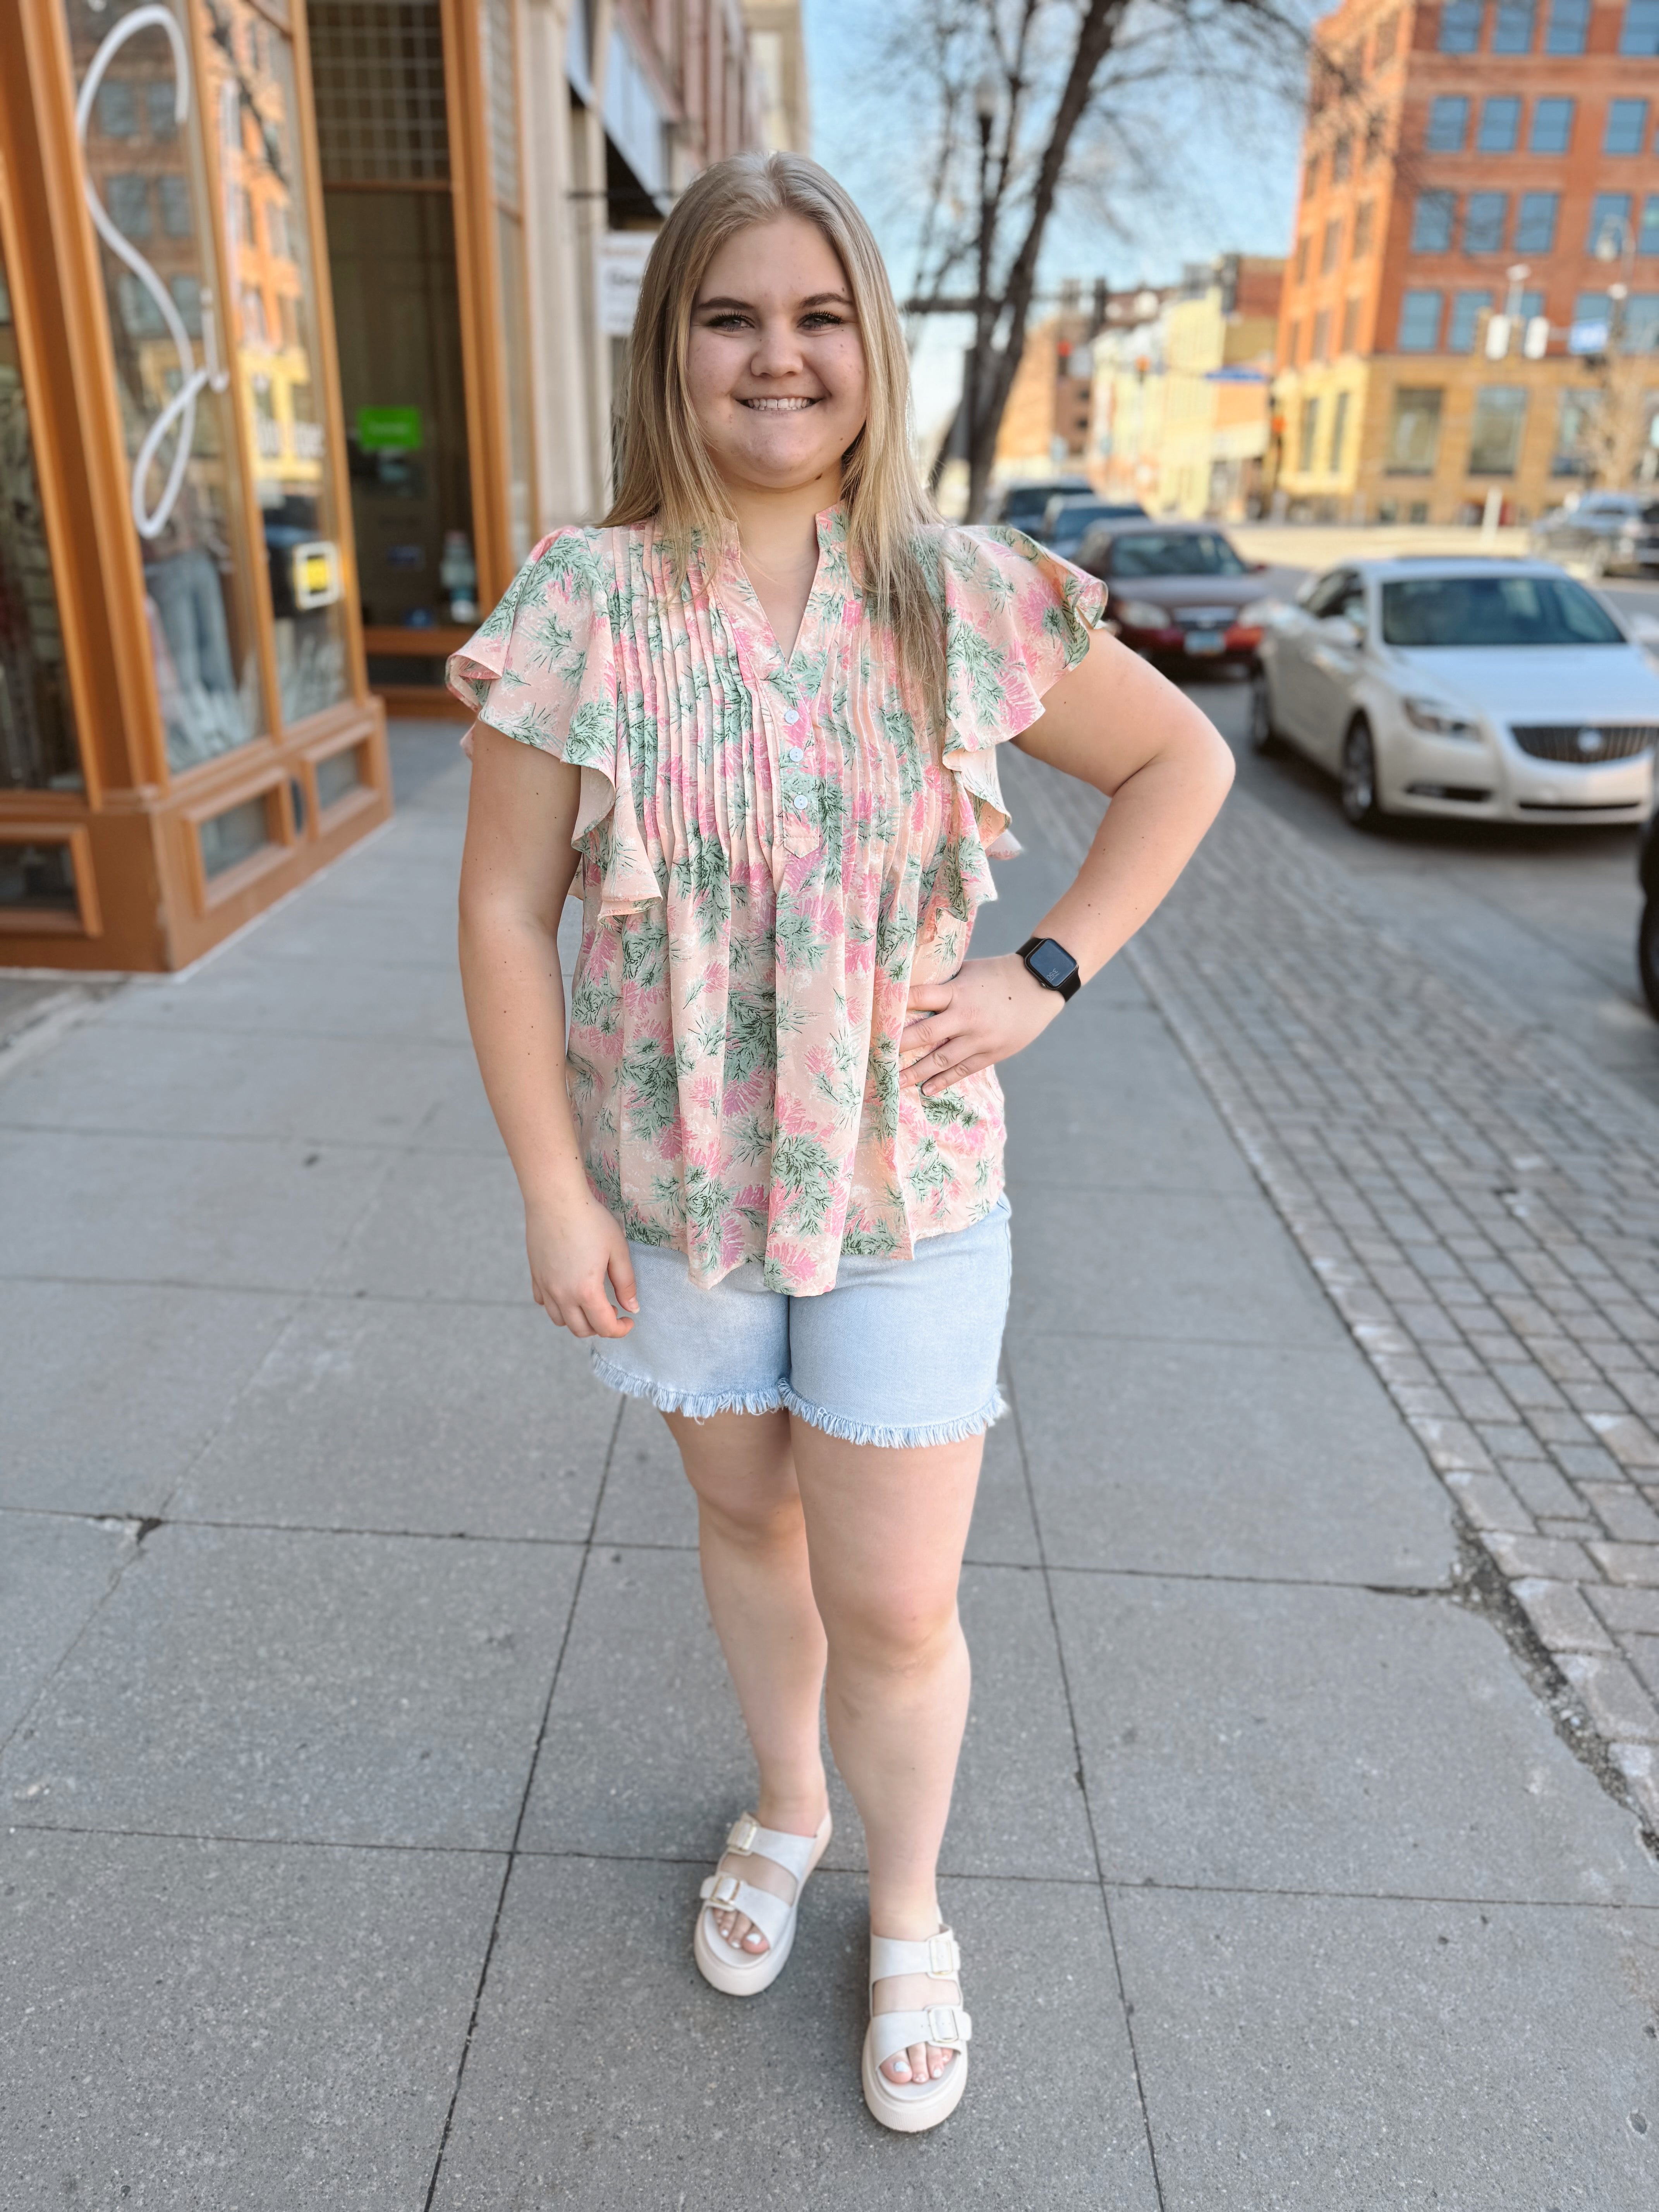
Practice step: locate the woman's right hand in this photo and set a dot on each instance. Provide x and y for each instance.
(573, 1246)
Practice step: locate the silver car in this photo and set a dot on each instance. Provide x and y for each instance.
(1489, 690)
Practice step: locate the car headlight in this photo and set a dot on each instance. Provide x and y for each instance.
(1440, 722)
(1141, 614)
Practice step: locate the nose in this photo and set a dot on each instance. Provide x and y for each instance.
(777, 348)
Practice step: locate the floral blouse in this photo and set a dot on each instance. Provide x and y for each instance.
(771, 856)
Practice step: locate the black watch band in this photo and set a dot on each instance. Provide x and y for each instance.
(1052, 964)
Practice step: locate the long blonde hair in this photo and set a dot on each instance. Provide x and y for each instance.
(666, 470)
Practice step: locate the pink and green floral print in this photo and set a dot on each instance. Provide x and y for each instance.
(771, 855)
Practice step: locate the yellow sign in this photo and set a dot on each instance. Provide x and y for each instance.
(316, 574)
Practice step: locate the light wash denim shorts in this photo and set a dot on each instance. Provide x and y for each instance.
(901, 1352)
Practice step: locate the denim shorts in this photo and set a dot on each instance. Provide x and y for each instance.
(901, 1352)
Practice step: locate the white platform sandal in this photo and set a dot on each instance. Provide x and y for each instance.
(742, 1973)
(911, 2107)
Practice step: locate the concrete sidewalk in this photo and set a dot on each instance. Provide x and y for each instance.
(366, 1740)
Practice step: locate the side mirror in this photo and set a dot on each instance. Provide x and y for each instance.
(1260, 568)
(1341, 631)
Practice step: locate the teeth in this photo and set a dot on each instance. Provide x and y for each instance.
(778, 406)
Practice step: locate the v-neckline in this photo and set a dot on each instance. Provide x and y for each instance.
(731, 568)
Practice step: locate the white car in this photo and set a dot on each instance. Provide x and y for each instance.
(1496, 691)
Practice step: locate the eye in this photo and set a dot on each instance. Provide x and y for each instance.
(822, 318)
(725, 319)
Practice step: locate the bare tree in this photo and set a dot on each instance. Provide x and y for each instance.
(1032, 100)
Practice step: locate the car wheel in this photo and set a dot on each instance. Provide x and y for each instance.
(1359, 801)
(1647, 952)
(1264, 737)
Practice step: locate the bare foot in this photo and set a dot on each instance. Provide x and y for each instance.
(922, 2061)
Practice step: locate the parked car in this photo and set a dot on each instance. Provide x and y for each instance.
(1497, 690)
(1069, 517)
(1607, 533)
(1179, 591)
(1647, 929)
(1022, 506)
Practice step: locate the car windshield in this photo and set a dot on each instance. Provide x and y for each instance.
(1175, 553)
(1023, 506)
(1078, 516)
(1474, 611)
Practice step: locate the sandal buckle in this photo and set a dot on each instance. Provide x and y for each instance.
(724, 1890)
(943, 1956)
(942, 2024)
(744, 1832)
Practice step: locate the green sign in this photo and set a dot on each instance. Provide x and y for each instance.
(389, 430)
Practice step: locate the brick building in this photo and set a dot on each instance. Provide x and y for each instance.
(1046, 424)
(1464, 158)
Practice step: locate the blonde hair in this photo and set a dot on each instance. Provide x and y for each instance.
(666, 474)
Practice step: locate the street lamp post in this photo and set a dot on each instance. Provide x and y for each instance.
(986, 93)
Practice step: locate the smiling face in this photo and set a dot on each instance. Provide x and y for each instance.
(776, 368)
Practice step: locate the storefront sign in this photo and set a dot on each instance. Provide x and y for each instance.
(622, 257)
(389, 430)
(316, 574)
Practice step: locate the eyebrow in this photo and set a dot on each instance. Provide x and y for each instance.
(813, 299)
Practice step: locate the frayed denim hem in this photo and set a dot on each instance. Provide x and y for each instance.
(894, 1439)
(696, 1405)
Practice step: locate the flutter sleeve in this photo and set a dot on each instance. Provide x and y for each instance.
(1017, 617)
(542, 668)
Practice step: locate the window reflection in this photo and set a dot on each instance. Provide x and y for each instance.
(278, 368)
(37, 721)
(147, 192)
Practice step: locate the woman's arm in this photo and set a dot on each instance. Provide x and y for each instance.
(515, 874)
(1114, 722)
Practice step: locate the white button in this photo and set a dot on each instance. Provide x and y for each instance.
(796, 752)
(791, 716)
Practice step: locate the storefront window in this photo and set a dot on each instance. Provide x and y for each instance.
(37, 718)
(378, 79)
(138, 117)
(279, 365)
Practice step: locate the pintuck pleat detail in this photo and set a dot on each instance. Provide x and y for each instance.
(895, 1437)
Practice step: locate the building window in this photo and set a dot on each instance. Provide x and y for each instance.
(1375, 128)
(1468, 308)
(1333, 245)
(1413, 431)
(1640, 330)
(1648, 238)
(1310, 177)
(1569, 27)
(1500, 125)
(1640, 34)
(1350, 325)
(127, 197)
(1592, 314)
(1383, 41)
(1485, 218)
(1339, 431)
(1448, 119)
(1551, 126)
(1310, 432)
(1419, 322)
(1432, 222)
(1511, 33)
(1576, 427)
(1535, 223)
(1302, 258)
(1500, 414)
(1321, 335)
(1609, 220)
(1362, 228)
(1627, 126)
(175, 194)
(1341, 159)
(1460, 25)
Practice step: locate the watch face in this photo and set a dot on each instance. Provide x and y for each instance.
(1050, 964)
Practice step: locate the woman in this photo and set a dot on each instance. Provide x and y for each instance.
(761, 707)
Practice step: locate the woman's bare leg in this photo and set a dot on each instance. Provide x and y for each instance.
(752, 1539)
(885, 1531)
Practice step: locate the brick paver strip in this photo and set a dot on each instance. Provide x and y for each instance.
(1482, 1209)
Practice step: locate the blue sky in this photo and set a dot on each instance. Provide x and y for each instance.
(1229, 182)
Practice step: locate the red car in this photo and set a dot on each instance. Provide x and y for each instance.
(1179, 593)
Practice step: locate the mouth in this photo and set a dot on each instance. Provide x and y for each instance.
(778, 406)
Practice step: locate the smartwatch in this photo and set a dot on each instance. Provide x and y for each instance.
(1052, 964)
